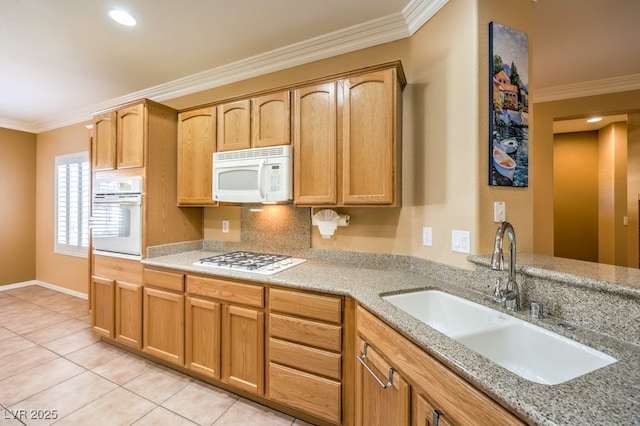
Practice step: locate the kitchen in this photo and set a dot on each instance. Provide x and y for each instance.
(441, 198)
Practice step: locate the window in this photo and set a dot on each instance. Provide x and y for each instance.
(72, 204)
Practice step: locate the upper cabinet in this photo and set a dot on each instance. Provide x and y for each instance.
(196, 145)
(271, 120)
(347, 141)
(254, 123)
(234, 125)
(370, 139)
(104, 142)
(315, 144)
(130, 140)
(345, 131)
(118, 141)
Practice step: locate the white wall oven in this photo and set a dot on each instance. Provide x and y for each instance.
(116, 217)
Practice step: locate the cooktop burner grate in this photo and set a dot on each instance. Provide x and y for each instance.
(259, 263)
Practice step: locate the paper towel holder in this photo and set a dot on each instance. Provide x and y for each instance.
(328, 220)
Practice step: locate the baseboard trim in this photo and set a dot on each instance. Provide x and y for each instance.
(45, 285)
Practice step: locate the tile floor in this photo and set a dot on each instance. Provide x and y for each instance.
(54, 369)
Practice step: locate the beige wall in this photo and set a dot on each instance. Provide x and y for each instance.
(590, 196)
(575, 193)
(633, 188)
(612, 194)
(17, 206)
(542, 151)
(61, 270)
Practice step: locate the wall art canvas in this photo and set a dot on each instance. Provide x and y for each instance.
(509, 107)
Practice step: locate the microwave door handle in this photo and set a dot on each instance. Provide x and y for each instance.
(260, 170)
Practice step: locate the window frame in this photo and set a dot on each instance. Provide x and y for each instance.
(79, 248)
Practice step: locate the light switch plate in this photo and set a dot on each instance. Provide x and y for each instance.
(499, 211)
(427, 236)
(225, 226)
(461, 241)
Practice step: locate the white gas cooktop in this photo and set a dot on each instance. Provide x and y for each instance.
(246, 261)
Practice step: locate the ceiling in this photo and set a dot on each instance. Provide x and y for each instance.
(62, 60)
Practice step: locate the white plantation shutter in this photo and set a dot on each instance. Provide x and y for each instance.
(72, 204)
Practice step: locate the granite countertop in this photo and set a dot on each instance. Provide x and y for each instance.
(605, 396)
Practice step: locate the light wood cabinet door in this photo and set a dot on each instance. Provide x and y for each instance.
(315, 145)
(202, 339)
(196, 145)
(369, 139)
(243, 348)
(271, 120)
(423, 413)
(103, 149)
(163, 325)
(128, 314)
(234, 125)
(375, 405)
(130, 127)
(102, 306)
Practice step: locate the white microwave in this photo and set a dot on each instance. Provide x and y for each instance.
(256, 175)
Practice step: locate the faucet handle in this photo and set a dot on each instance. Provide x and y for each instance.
(536, 310)
(510, 300)
(498, 289)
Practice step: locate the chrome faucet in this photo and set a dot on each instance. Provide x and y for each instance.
(510, 296)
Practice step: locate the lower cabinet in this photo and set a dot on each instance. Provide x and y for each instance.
(163, 315)
(383, 396)
(320, 355)
(396, 374)
(305, 352)
(202, 336)
(103, 306)
(243, 348)
(128, 318)
(225, 331)
(116, 299)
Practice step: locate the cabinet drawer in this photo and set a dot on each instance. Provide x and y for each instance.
(164, 279)
(234, 292)
(308, 305)
(117, 269)
(305, 358)
(314, 395)
(324, 336)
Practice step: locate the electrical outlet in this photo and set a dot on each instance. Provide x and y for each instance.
(225, 226)
(427, 236)
(461, 241)
(499, 211)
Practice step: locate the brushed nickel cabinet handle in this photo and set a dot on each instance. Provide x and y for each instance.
(435, 419)
(362, 358)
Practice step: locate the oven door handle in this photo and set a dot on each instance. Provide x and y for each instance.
(123, 201)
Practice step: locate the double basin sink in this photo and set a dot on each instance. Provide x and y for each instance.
(527, 350)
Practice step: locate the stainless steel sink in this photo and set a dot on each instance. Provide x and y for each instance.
(525, 349)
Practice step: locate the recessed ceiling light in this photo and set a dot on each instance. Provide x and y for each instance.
(594, 120)
(122, 17)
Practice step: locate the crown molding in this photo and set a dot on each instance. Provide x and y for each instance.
(375, 32)
(588, 88)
